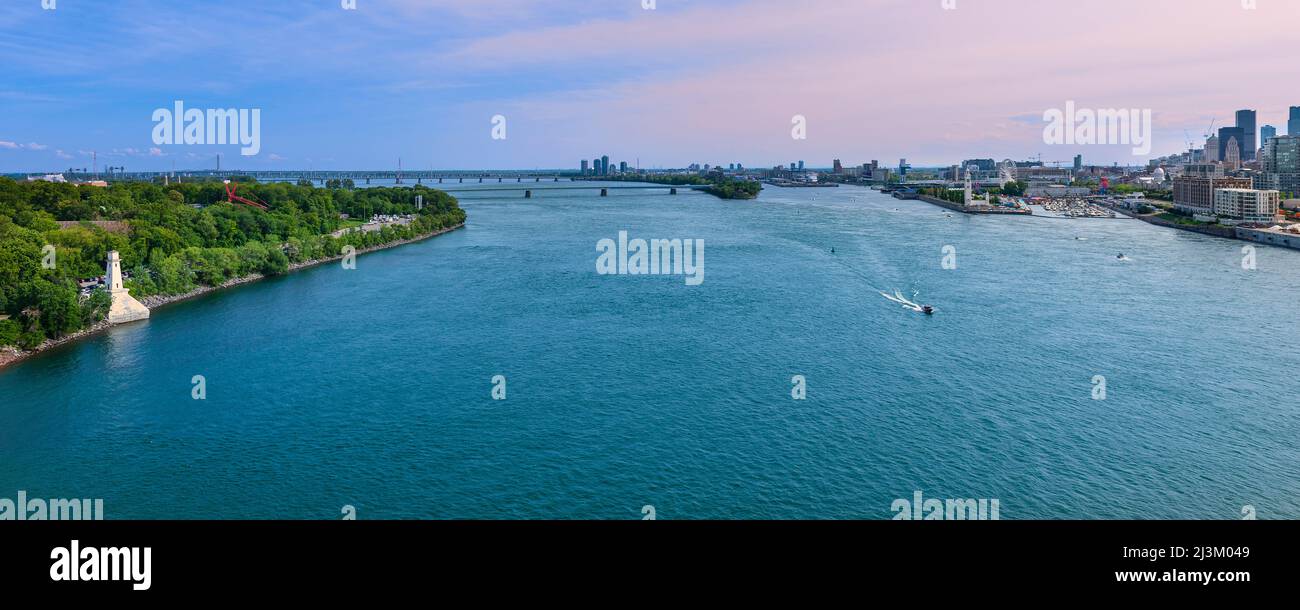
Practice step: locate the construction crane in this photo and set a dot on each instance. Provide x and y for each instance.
(233, 198)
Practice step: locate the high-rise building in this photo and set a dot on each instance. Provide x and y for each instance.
(595, 166)
(1229, 135)
(1078, 163)
(1266, 133)
(1246, 121)
(801, 166)
(584, 167)
(1293, 122)
(837, 167)
(604, 165)
(1212, 149)
(1280, 166)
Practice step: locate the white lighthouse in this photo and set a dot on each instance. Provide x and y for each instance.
(125, 308)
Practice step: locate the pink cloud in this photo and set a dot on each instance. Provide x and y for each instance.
(899, 77)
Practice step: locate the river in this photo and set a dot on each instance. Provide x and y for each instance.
(373, 387)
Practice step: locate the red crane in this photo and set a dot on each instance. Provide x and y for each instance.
(233, 198)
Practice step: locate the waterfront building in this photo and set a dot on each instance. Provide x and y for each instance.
(1246, 205)
(1047, 175)
(1246, 122)
(604, 165)
(584, 167)
(622, 167)
(1194, 190)
(837, 167)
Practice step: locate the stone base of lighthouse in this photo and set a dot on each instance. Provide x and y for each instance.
(126, 309)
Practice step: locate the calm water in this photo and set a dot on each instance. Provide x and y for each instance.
(372, 387)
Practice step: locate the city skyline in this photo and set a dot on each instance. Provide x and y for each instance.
(388, 81)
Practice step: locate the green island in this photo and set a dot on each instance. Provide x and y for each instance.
(721, 187)
(177, 238)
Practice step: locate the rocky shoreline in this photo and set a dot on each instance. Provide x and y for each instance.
(11, 354)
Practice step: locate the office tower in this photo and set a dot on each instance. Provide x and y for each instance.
(622, 167)
(837, 167)
(1231, 135)
(792, 166)
(584, 167)
(604, 165)
(595, 166)
(1280, 168)
(1266, 133)
(1246, 122)
(801, 166)
(1212, 149)
(1293, 123)
(1078, 163)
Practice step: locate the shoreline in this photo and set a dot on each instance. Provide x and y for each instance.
(12, 355)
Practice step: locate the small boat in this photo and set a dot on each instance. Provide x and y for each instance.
(927, 310)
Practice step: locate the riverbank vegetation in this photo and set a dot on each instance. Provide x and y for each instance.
(718, 186)
(173, 239)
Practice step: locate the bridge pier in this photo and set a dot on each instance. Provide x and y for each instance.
(440, 181)
(604, 192)
(480, 180)
(528, 194)
(499, 179)
(462, 181)
(367, 180)
(672, 191)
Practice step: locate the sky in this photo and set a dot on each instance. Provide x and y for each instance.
(686, 81)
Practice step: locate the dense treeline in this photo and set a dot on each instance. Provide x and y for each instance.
(735, 189)
(719, 186)
(175, 238)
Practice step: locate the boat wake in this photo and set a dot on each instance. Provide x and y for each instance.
(898, 297)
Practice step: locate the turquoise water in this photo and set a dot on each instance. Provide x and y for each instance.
(372, 387)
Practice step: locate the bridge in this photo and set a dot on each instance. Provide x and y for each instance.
(528, 190)
(357, 176)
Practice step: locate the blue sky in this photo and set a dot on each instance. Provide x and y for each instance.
(691, 81)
